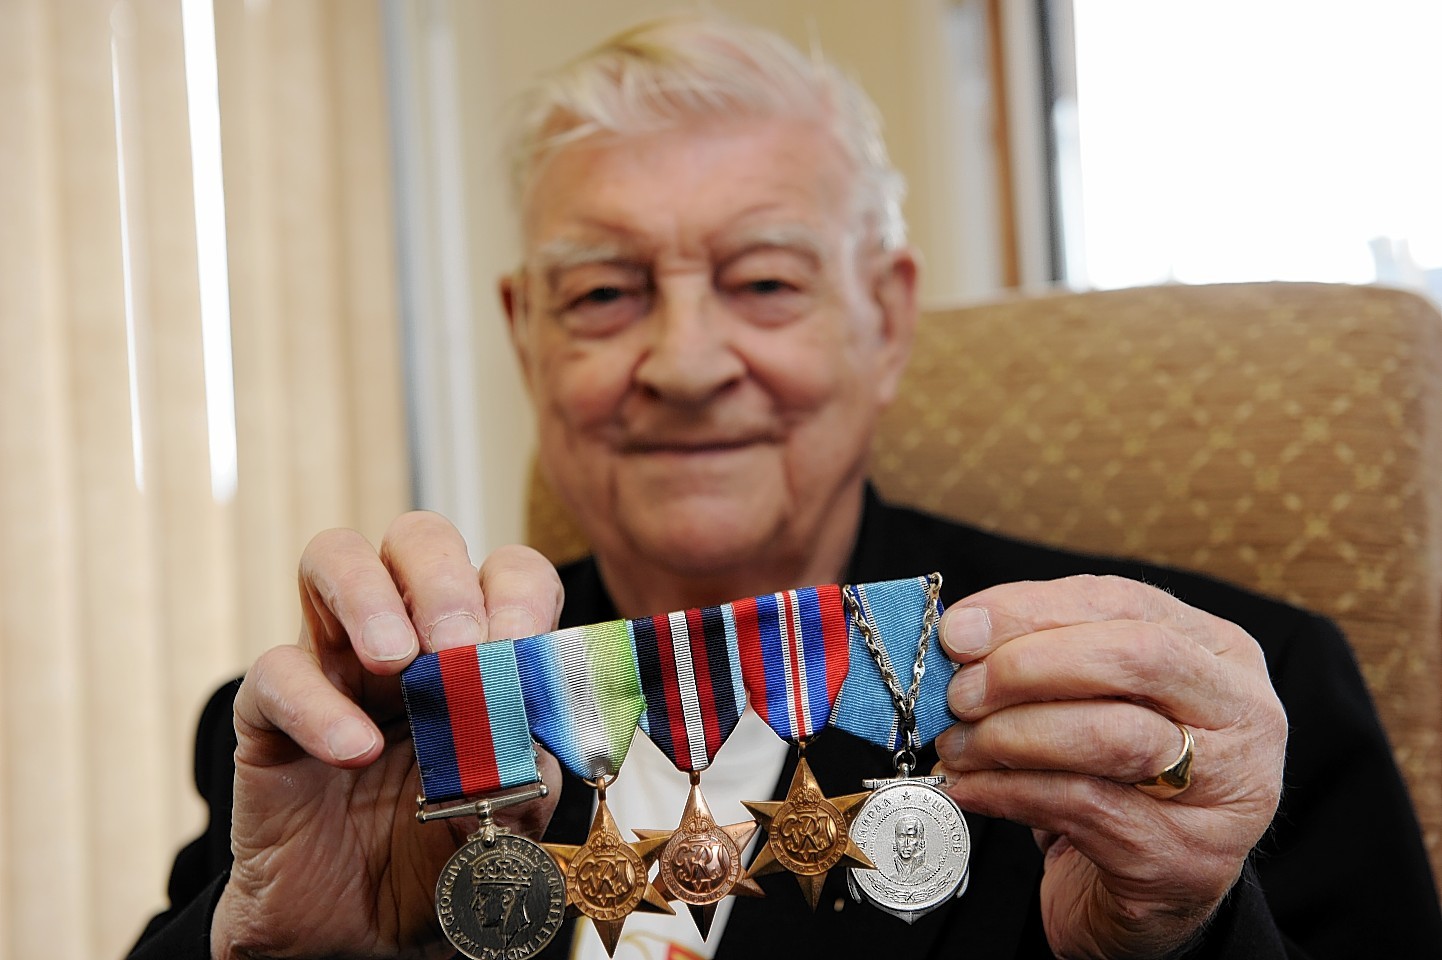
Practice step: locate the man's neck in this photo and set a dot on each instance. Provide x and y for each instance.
(640, 588)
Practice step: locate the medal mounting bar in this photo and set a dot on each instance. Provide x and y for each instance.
(485, 807)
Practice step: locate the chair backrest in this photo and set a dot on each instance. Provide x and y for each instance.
(1286, 437)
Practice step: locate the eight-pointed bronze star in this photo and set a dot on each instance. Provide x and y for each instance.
(606, 876)
(807, 834)
(701, 862)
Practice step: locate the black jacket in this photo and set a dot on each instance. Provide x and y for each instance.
(1341, 874)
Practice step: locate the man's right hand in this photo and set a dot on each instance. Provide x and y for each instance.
(329, 858)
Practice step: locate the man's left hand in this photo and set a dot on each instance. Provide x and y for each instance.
(1071, 693)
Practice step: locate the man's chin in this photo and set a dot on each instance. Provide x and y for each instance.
(703, 537)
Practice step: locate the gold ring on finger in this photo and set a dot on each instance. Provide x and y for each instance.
(1178, 774)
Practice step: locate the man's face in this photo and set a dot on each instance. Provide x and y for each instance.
(499, 906)
(708, 335)
(908, 837)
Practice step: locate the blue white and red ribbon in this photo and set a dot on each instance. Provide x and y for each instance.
(583, 695)
(692, 682)
(896, 610)
(794, 653)
(468, 721)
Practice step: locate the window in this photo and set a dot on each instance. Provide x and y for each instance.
(1252, 140)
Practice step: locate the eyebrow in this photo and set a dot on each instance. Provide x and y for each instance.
(795, 237)
(567, 253)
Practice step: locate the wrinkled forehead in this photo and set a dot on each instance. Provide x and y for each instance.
(767, 180)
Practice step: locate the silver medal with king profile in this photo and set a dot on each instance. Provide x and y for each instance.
(500, 896)
(502, 900)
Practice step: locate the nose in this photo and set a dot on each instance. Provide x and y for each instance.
(690, 357)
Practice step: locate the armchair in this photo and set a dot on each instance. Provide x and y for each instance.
(1286, 437)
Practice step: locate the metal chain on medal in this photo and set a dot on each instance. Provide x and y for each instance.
(905, 702)
(901, 811)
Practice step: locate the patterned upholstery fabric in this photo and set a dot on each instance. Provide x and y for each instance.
(1286, 437)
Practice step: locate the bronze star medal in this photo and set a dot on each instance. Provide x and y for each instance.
(606, 876)
(701, 861)
(807, 834)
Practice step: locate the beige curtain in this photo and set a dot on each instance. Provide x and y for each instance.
(132, 580)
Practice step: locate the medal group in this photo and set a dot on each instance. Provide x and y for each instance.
(802, 658)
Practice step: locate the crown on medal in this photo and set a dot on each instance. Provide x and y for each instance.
(807, 798)
(604, 842)
(504, 869)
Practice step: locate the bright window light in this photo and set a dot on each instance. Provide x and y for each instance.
(203, 96)
(1259, 140)
(127, 268)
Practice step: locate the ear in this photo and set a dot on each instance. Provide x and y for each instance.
(510, 296)
(895, 294)
(511, 288)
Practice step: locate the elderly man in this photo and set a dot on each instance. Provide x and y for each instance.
(715, 301)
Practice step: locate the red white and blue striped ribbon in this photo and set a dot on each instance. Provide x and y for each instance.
(692, 683)
(794, 653)
(896, 610)
(468, 721)
(686, 674)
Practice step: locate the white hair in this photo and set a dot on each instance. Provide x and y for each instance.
(660, 73)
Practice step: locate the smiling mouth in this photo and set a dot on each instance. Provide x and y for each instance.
(691, 446)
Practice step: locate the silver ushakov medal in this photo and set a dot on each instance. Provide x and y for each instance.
(917, 839)
(913, 833)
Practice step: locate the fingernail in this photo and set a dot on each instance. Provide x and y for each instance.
(967, 689)
(387, 636)
(512, 623)
(966, 630)
(950, 742)
(455, 630)
(349, 738)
